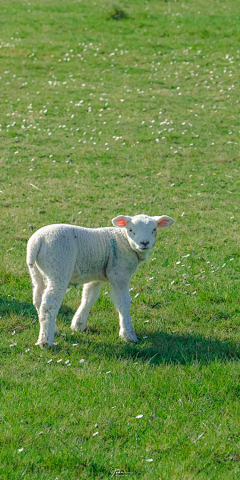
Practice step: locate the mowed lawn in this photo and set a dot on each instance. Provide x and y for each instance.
(109, 110)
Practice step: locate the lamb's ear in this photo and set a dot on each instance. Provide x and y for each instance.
(164, 221)
(121, 221)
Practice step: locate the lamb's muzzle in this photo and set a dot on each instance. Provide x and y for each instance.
(61, 255)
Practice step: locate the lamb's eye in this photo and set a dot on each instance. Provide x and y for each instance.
(130, 230)
(154, 230)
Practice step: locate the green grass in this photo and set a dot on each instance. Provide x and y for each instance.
(123, 109)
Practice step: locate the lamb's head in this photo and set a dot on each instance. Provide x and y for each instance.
(141, 230)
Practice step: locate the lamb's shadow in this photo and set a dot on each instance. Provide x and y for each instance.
(175, 348)
(160, 347)
(10, 305)
(27, 310)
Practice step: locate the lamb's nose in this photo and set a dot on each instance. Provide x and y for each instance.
(144, 243)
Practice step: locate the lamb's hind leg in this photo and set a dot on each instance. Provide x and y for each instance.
(90, 295)
(38, 290)
(51, 302)
(38, 286)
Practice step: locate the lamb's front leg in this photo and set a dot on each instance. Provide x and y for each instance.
(122, 301)
(90, 295)
(56, 331)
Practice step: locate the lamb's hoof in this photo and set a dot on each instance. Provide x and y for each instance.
(44, 345)
(78, 328)
(128, 337)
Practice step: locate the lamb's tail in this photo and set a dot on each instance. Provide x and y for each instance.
(33, 249)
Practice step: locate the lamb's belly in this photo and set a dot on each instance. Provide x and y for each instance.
(86, 277)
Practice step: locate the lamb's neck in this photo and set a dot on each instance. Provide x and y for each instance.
(142, 257)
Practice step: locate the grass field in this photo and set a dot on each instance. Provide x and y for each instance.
(99, 117)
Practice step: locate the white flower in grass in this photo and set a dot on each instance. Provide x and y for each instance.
(82, 360)
(20, 450)
(139, 416)
(149, 460)
(94, 434)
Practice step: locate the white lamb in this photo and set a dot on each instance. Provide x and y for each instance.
(61, 255)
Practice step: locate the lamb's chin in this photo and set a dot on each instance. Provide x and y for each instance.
(143, 250)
